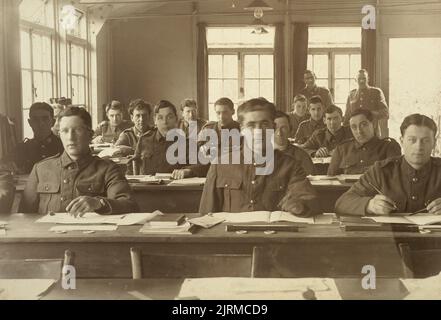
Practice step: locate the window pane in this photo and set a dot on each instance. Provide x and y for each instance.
(266, 66)
(26, 84)
(322, 82)
(46, 53)
(355, 64)
(39, 86)
(25, 50)
(38, 11)
(251, 66)
(230, 66)
(48, 93)
(309, 65)
(341, 90)
(342, 66)
(251, 89)
(267, 89)
(334, 37)
(321, 65)
(231, 89)
(215, 90)
(37, 51)
(214, 66)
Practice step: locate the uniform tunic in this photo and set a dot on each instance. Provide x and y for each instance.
(111, 134)
(324, 138)
(306, 129)
(323, 92)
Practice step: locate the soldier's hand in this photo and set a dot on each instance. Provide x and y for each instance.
(122, 151)
(98, 139)
(380, 205)
(181, 174)
(435, 206)
(322, 153)
(79, 206)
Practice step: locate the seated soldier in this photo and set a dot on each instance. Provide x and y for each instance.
(7, 189)
(358, 154)
(140, 112)
(315, 122)
(408, 183)
(323, 141)
(278, 183)
(75, 181)
(299, 114)
(44, 144)
(189, 109)
(150, 154)
(224, 108)
(281, 142)
(108, 131)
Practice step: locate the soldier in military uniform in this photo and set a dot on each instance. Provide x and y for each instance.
(44, 144)
(323, 141)
(240, 187)
(408, 183)
(311, 89)
(281, 142)
(75, 181)
(109, 131)
(307, 127)
(358, 154)
(189, 109)
(140, 112)
(150, 155)
(370, 98)
(7, 189)
(298, 114)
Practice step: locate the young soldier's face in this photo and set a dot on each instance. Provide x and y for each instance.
(362, 80)
(362, 129)
(309, 79)
(115, 117)
(165, 120)
(418, 143)
(300, 108)
(316, 111)
(75, 136)
(281, 133)
(140, 118)
(256, 123)
(333, 121)
(41, 123)
(189, 113)
(224, 114)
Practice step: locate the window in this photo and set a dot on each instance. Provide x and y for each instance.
(39, 12)
(240, 65)
(77, 72)
(334, 56)
(414, 88)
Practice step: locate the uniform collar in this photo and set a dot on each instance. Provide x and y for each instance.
(315, 122)
(137, 132)
(408, 170)
(66, 161)
(313, 89)
(158, 136)
(46, 140)
(368, 144)
(338, 134)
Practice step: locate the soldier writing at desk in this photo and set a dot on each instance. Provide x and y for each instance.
(408, 183)
(75, 181)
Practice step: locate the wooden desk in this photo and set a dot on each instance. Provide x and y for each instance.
(325, 251)
(168, 289)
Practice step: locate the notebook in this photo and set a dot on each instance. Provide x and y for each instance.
(183, 229)
(167, 220)
(261, 216)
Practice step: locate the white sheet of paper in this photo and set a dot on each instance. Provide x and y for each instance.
(95, 218)
(386, 219)
(23, 289)
(321, 177)
(207, 221)
(423, 289)
(246, 217)
(286, 216)
(108, 152)
(142, 178)
(3, 223)
(324, 219)
(424, 219)
(106, 227)
(326, 183)
(2, 232)
(321, 160)
(195, 181)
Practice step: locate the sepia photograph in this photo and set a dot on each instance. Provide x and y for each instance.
(235, 152)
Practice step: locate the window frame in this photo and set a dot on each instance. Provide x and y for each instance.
(72, 40)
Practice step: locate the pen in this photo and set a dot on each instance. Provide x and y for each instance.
(421, 210)
(379, 192)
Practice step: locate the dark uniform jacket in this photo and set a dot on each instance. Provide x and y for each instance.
(295, 121)
(324, 138)
(370, 98)
(410, 189)
(31, 151)
(183, 125)
(7, 189)
(55, 182)
(318, 91)
(237, 188)
(353, 158)
(130, 137)
(301, 156)
(111, 134)
(151, 154)
(306, 129)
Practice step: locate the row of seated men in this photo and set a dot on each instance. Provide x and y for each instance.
(75, 181)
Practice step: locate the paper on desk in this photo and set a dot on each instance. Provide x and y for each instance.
(321, 177)
(3, 223)
(326, 218)
(321, 160)
(326, 183)
(24, 289)
(188, 182)
(386, 219)
(261, 216)
(254, 288)
(108, 152)
(142, 178)
(95, 218)
(66, 227)
(423, 289)
(207, 221)
(418, 219)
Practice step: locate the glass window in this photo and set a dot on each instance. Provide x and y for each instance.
(77, 73)
(38, 11)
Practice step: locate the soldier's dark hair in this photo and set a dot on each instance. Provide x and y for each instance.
(364, 71)
(79, 112)
(332, 108)
(309, 72)
(281, 114)
(41, 106)
(316, 99)
(367, 113)
(301, 97)
(162, 104)
(256, 105)
(190, 103)
(418, 120)
(139, 104)
(225, 102)
(114, 105)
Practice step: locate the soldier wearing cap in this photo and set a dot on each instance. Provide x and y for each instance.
(315, 122)
(108, 131)
(358, 154)
(44, 144)
(75, 181)
(312, 89)
(408, 183)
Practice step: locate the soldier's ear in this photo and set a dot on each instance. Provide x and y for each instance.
(401, 140)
